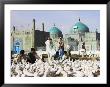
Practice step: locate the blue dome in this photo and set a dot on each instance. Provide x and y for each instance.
(81, 27)
(55, 30)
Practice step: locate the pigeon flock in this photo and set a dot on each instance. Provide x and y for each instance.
(57, 68)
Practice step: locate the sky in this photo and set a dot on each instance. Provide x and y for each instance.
(63, 19)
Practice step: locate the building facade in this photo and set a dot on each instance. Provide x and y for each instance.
(28, 38)
(78, 36)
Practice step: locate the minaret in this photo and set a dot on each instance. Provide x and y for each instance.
(33, 34)
(43, 27)
(43, 34)
(13, 34)
(14, 28)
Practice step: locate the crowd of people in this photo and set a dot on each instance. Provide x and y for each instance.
(53, 49)
(57, 65)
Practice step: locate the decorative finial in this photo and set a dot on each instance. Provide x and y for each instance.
(79, 18)
(54, 24)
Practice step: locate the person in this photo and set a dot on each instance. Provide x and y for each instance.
(12, 57)
(69, 50)
(49, 48)
(83, 50)
(56, 57)
(61, 47)
(21, 56)
(49, 44)
(65, 56)
(32, 56)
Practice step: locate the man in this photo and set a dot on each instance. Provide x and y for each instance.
(61, 47)
(32, 56)
(69, 50)
(49, 49)
(49, 44)
(20, 57)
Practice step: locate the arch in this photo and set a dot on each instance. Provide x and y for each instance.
(18, 44)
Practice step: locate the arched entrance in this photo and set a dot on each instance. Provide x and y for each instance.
(17, 46)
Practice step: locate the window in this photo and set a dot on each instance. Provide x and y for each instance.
(17, 43)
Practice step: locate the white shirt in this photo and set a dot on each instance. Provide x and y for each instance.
(47, 45)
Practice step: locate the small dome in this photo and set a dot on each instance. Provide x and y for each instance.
(55, 30)
(81, 27)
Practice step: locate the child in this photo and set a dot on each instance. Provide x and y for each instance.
(65, 56)
(56, 56)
